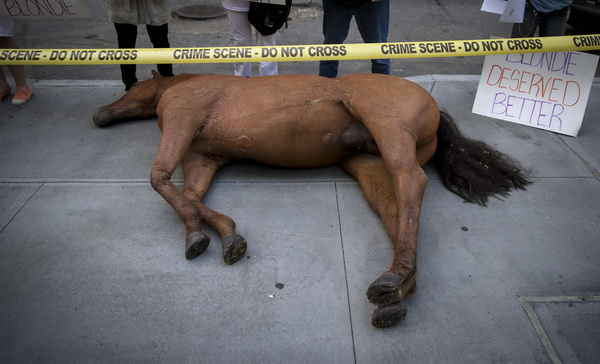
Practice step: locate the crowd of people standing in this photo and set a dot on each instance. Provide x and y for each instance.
(372, 17)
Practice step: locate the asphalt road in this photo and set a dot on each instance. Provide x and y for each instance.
(411, 20)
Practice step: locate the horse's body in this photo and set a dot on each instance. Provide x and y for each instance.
(380, 129)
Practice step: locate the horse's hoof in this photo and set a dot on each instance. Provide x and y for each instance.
(390, 315)
(386, 289)
(195, 244)
(102, 117)
(234, 247)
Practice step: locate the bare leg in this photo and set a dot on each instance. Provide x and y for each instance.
(17, 71)
(5, 88)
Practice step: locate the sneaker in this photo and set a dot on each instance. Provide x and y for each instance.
(22, 97)
(5, 93)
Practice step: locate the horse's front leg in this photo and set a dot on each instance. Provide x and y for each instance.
(198, 171)
(174, 145)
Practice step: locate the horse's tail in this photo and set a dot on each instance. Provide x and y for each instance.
(472, 169)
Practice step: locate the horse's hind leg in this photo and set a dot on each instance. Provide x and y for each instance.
(392, 286)
(198, 172)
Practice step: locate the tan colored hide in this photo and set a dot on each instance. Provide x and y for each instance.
(380, 129)
(297, 121)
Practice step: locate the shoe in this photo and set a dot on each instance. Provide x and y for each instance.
(5, 93)
(22, 97)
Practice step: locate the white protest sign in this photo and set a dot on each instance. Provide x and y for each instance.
(542, 90)
(512, 11)
(44, 9)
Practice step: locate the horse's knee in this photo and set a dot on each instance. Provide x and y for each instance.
(159, 178)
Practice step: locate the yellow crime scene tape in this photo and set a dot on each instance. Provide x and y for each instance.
(286, 53)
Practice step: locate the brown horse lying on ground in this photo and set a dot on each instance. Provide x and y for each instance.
(380, 129)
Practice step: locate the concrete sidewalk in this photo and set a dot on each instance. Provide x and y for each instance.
(92, 266)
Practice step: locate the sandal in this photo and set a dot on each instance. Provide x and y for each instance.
(22, 96)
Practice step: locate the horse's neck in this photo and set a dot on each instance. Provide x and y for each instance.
(173, 80)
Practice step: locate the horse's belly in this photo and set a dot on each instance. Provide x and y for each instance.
(307, 152)
(291, 139)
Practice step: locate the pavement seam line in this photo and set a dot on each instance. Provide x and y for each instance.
(22, 206)
(337, 202)
(527, 303)
(578, 151)
(537, 325)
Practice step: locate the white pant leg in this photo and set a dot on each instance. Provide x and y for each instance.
(240, 32)
(267, 68)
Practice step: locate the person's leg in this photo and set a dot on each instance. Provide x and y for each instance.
(373, 21)
(529, 25)
(267, 68)
(159, 36)
(240, 32)
(554, 23)
(5, 89)
(336, 25)
(126, 37)
(24, 92)
(6, 31)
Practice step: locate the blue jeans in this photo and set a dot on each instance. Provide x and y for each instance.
(372, 20)
(550, 24)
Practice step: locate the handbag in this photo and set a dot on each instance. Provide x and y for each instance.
(268, 18)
